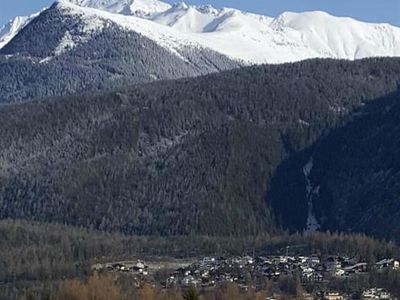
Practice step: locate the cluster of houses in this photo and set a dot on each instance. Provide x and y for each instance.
(133, 267)
(242, 270)
(247, 271)
(377, 293)
(370, 294)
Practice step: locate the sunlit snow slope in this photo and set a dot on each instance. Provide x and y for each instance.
(11, 29)
(142, 8)
(240, 35)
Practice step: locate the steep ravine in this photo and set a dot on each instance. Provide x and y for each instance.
(351, 180)
(312, 192)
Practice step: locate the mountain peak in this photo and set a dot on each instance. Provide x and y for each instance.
(181, 5)
(310, 19)
(11, 29)
(125, 7)
(238, 35)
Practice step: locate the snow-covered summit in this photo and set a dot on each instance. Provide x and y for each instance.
(142, 8)
(202, 19)
(236, 34)
(11, 29)
(338, 37)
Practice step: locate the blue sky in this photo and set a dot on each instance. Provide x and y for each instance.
(366, 10)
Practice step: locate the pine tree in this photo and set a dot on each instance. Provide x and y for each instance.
(191, 294)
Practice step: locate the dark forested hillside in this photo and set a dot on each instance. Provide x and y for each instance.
(354, 176)
(193, 156)
(33, 65)
(358, 170)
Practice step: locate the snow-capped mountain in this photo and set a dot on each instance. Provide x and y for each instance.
(236, 34)
(141, 8)
(69, 49)
(206, 19)
(11, 29)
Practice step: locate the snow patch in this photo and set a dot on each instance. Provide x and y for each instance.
(337, 109)
(46, 60)
(304, 123)
(66, 43)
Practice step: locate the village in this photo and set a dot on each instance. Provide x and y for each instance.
(251, 272)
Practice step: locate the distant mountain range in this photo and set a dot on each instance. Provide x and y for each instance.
(63, 51)
(81, 45)
(239, 35)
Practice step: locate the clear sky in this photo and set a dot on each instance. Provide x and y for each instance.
(367, 10)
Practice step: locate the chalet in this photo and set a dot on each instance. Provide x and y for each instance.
(388, 264)
(332, 264)
(313, 260)
(333, 296)
(377, 293)
(189, 280)
(310, 275)
(339, 273)
(357, 268)
(97, 267)
(307, 296)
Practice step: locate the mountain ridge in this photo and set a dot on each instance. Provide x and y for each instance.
(249, 37)
(75, 55)
(144, 8)
(10, 30)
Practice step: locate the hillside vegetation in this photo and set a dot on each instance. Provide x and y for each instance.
(37, 256)
(186, 157)
(358, 169)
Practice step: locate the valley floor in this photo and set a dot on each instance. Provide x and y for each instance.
(37, 260)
